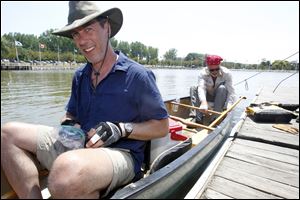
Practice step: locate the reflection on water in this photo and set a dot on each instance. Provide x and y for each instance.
(40, 96)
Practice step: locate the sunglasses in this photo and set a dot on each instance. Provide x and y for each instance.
(217, 69)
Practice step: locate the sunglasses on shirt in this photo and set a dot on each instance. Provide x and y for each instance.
(217, 69)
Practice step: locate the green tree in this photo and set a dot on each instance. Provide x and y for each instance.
(138, 50)
(280, 65)
(124, 47)
(171, 54)
(114, 43)
(4, 47)
(152, 55)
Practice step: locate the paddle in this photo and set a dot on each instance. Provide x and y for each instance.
(201, 110)
(216, 121)
(197, 138)
(191, 123)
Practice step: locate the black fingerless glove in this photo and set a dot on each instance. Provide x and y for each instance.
(108, 132)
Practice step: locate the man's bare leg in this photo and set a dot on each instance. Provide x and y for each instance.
(80, 174)
(18, 141)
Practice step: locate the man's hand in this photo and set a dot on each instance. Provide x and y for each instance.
(204, 105)
(104, 134)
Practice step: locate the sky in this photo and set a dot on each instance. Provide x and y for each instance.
(242, 31)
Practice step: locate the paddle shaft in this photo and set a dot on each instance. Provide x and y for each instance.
(201, 110)
(216, 121)
(191, 123)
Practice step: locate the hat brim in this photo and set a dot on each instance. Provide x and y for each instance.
(115, 18)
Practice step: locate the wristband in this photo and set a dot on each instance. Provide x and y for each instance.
(69, 122)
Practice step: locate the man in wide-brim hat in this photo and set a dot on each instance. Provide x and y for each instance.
(108, 113)
(114, 100)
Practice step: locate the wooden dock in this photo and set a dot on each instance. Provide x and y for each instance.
(257, 161)
(16, 66)
(29, 66)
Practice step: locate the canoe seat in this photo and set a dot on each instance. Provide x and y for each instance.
(170, 155)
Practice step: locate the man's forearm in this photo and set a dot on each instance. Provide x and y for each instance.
(150, 129)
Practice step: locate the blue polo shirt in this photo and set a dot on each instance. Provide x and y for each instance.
(128, 94)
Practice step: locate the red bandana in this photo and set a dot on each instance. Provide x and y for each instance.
(213, 60)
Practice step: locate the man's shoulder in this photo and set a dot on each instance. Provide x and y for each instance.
(127, 62)
(204, 72)
(81, 69)
(135, 67)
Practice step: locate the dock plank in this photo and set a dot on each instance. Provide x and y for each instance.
(262, 171)
(236, 190)
(259, 183)
(211, 194)
(270, 147)
(285, 167)
(247, 150)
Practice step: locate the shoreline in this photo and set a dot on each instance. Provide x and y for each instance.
(67, 66)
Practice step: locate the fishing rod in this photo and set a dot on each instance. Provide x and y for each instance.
(247, 78)
(283, 80)
(246, 83)
(288, 76)
(291, 55)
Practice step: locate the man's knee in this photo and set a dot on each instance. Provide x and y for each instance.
(6, 132)
(221, 92)
(64, 177)
(222, 89)
(22, 135)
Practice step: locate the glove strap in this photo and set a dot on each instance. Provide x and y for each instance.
(122, 129)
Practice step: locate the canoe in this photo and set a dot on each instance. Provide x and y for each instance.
(175, 162)
(175, 178)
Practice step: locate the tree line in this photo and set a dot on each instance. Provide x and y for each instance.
(56, 48)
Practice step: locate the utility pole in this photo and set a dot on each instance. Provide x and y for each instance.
(40, 52)
(58, 53)
(17, 56)
(74, 51)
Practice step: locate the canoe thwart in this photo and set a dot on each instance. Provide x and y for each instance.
(193, 107)
(191, 123)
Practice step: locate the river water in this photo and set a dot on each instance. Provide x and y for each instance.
(41, 96)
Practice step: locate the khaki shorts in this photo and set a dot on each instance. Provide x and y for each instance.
(48, 149)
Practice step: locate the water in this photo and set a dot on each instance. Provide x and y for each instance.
(41, 96)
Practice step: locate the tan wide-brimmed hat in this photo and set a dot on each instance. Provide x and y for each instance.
(82, 12)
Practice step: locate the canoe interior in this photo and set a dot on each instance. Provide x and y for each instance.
(175, 174)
